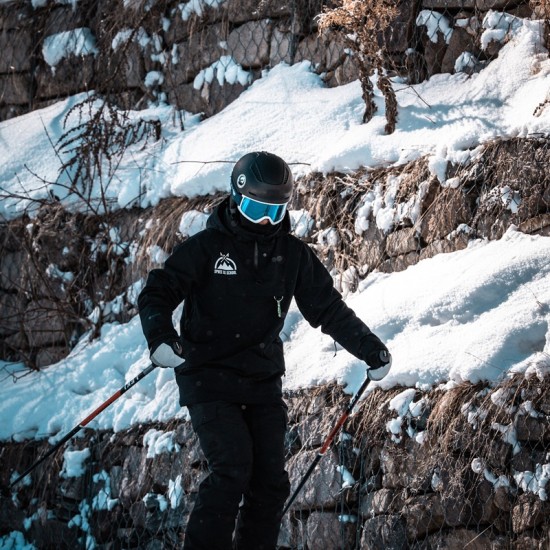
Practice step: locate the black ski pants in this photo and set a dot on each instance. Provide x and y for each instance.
(247, 486)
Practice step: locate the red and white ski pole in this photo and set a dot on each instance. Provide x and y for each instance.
(87, 420)
(376, 374)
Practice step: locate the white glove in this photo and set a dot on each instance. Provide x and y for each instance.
(380, 372)
(168, 355)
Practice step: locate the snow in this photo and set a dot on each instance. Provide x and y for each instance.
(73, 463)
(478, 314)
(61, 45)
(435, 23)
(158, 442)
(197, 7)
(292, 113)
(225, 69)
(175, 491)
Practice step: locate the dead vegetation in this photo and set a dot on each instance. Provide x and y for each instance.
(360, 23)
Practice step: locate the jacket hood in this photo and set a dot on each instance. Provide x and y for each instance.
(226, 218)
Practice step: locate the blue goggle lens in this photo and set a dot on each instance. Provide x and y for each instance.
(256, 211)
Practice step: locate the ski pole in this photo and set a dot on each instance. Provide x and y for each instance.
(374, 375)
(88, 419)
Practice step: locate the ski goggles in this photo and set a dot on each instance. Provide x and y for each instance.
(256, 211)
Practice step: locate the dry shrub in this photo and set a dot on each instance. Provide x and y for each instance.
(541, 8)
(360, 23)
(95, 146)
(372, 415)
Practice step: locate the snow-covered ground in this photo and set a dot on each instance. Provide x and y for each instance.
(477, 314)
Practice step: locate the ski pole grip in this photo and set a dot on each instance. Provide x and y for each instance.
(381, 372)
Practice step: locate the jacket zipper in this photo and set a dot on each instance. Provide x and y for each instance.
(279, 310)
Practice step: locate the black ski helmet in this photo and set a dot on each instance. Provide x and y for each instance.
(263, 177)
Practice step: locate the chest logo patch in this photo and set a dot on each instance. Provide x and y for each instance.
(225, 265)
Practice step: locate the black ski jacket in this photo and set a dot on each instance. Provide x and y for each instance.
(237, 285)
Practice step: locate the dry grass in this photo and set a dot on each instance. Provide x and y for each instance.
(164, 220)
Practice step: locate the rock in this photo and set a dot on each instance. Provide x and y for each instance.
(16, 88)
(312, 48)
(50, 355)
(372, 251)
(451, 208)
(503, 499)
(344, 73)
(400, 472)
(387, 532)
(399, 35)
(323, 486)
(529, 512)
(71, 75)
(382, 502)
(434, 53)
(537, 225)
(325, 531)
(186, 97)
(249, 44)
(10, 515)
(403, 241)
(443, 246)
(51, 533)
(11, 18)
(136, 480)
(460, 539)
(314, 428)
(165, 467)
(199, 51)
(281, 48)
(44, 323)
(423, 515)
(461, 41)
(217, 96)
(399, 263)
(125, 65)
(10, 310)
(241, 11)
(531, 429)
(16, 47)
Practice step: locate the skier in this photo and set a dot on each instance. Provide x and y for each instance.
(237, 278)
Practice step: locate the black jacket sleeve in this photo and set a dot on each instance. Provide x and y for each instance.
(322, 305)
(164, 290)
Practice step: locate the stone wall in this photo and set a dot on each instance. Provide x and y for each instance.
(458, 472)
(147, 51)
(465, 467)
(63, 274)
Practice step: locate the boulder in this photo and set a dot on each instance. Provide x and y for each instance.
(323, 486)
(44, 323)
(329, 531)
(249, 44)
(388, 532)
(16, 47)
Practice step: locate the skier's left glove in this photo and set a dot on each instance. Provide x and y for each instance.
(377, 357)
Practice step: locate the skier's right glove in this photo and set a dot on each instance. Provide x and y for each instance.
(167, 354)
